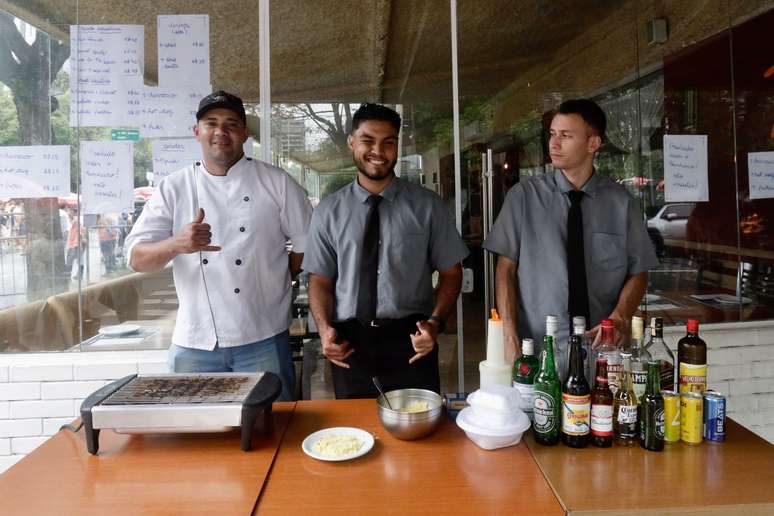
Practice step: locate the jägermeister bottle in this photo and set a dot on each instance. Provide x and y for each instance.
(652, 412)
(547, 409)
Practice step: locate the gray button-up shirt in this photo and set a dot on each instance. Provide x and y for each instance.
(531, 229)
(417, 236)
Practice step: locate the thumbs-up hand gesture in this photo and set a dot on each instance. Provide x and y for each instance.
(195, 236)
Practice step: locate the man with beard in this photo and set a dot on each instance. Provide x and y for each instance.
(373, 247)
(223, 222)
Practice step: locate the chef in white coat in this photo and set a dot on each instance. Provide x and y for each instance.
(223, 222)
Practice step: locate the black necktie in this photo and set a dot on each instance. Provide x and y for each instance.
(369, 264)
(578, 296)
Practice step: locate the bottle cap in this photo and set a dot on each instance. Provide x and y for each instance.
(692, 325)
(578, 324)
(552, 319)
(607, 323)
(638, 327)
(495, 315)
(527, 347)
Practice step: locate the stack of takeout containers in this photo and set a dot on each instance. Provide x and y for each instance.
(494, 418)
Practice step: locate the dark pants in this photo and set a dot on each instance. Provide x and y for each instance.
(383, 352)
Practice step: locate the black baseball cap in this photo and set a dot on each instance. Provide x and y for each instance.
(221, 99)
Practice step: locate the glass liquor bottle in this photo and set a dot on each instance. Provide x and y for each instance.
(625, 407)
(576, 399)
(601, 408)
(611, 352)
(579, 328)
(692, 360)
(640, 357)
(660, 352)
(547, 409)
(525, 368)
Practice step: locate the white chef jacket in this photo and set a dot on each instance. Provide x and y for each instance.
(242, 293)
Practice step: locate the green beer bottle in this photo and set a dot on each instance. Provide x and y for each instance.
(547, 408)
(652, 411)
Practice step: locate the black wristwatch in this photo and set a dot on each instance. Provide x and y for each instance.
(441, 323)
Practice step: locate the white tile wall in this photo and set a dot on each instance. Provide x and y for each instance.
(68, 390)
(40, 408)
(5, 446)
(40, 373)
(104, 371)
(20, 427)
(24, 445)
(5, 410)
(3, 373)
(53, 424)
(19, 391)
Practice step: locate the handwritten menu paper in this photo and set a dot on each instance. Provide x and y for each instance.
(163, 112)
(109, 58)
(184, 50)
(35, 171)
(685, 168)
(107, 176)
(760, 171)
(173, 154)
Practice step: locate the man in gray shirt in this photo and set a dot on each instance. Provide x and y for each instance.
(372, 249)
(537, 263)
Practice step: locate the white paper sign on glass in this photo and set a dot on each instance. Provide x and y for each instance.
(170, 155)
(35, 171)
(760, 171)
(109, 59)
(184, 50)
(685, 168)
(164, 112)
(107, 176)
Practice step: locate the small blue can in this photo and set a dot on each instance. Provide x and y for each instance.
(714, 417)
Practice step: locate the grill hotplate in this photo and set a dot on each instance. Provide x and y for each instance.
(180, 402)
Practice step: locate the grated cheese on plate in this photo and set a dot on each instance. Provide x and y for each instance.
(337, 445)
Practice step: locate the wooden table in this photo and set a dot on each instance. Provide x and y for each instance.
(734, 477)
(444, 473)
(143, 474)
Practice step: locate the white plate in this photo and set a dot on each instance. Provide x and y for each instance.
(308, 444)
(119, 329)
(728, 299)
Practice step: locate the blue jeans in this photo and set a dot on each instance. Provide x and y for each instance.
(272, 354)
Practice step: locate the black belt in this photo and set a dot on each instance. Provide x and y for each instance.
(381, 323)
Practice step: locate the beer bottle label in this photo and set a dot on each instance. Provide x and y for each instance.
(602, 420)
(627, 414)
(693, 378)
(639, 379)
(544, 412)
(614, 376)
(659, 426)
(575, 414)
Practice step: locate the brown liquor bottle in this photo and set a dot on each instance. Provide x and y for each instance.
(692, 360)
(601, 408)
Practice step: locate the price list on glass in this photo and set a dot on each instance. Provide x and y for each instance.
(34, 171)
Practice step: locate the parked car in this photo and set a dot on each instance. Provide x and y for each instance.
(669, 223)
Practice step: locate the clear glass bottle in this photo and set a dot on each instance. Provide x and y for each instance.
(579, 328)
(660, 352)
(625, 408)
(611, 352)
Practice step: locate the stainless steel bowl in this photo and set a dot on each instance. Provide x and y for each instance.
(410, 425)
